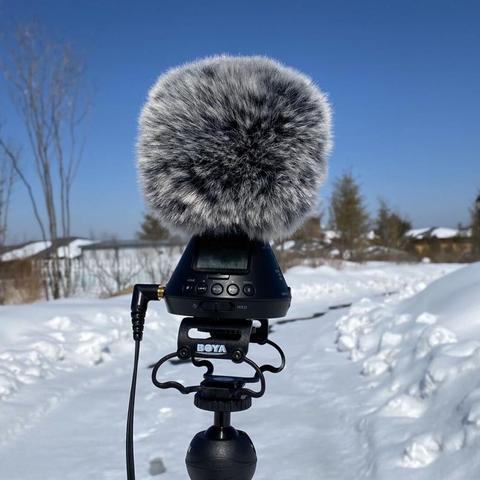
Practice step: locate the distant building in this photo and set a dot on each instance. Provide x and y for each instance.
(440, 241)
(69, 247)
(23, 266)
(104, 268)
(128, 250)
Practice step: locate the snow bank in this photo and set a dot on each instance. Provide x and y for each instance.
(421, 360)
(327, 285)
(43, 339)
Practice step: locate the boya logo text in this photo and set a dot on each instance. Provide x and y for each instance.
(211, 348)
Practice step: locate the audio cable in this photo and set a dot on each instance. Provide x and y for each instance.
(142, 294)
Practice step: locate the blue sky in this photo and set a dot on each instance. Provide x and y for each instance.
(403, 78)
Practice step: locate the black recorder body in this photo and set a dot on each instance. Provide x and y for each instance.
(228, 278)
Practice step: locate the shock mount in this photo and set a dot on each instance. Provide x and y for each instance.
(221, 452)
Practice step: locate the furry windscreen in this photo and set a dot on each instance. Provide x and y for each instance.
(233, 145)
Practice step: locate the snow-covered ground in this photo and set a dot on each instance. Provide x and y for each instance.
(386, 388)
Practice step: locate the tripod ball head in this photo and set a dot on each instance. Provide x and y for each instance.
(222, 453)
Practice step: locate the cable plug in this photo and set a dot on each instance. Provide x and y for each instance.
(142, 294)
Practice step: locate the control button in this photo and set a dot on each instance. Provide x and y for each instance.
(189, 288)
(202, 288)
(233, 289)
(248, 290)
(217, 289)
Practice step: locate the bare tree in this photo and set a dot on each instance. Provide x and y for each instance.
(46, 85)
(7, 176)
(112, 270)
(157, 264)
(475, 215)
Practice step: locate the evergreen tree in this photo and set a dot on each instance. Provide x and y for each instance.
(349, 216)
(152, 229)
(390, 227)
(310, 230)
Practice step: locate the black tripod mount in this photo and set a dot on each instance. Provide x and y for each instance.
(221, 452)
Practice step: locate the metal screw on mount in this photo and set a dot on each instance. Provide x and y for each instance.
(237, 356)
(183, 353)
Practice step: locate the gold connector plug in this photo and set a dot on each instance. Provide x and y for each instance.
(160, 292)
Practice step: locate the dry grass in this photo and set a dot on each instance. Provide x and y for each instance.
(20, 282)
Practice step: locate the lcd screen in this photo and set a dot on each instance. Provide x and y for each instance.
(223, 258)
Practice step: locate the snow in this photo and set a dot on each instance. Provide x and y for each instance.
(73, 249)
(425, 396)
(289, 244)
(385, 386)
(417, 232)
(314, 288)
(440, 232)
(25, 251)
(443, 232)
(330, 235)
